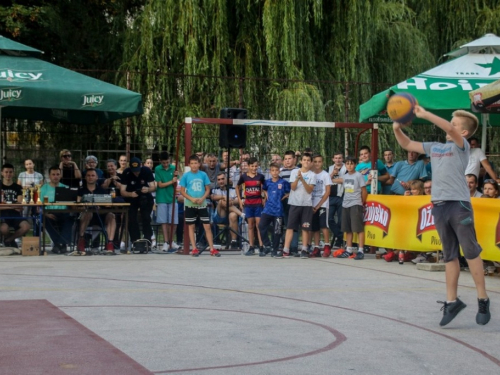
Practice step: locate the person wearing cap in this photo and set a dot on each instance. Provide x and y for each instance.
(91, 163)
(138, 183)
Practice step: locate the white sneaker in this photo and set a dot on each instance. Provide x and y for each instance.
(122, 245)
(421, 258)
(164, 249)
(174, 246)
(153, 243)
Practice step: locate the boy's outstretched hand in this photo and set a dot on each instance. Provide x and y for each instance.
(419, 111)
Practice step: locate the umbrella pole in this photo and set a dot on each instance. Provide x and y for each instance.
(484, 120)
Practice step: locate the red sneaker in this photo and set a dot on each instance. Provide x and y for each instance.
(195, 253)
(316, 253)
(390, 256)
(81, 245)
(109, 247)
(327, 250)
(214, 253)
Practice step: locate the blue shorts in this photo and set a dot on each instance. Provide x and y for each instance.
(164, 213)
(216, 219)
(253, 211)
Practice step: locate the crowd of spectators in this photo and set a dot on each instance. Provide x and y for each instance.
(298, 195)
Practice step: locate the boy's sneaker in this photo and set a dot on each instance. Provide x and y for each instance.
(214, 253)
(286, 254)
(81, 244)
(279, 255)
(110, 248)
(359, 255)
(174, 246)
(343, 254)
(451, 310)
(164, 248)
(234, 245)
(420, 258)
(352, 256)
(327, 250)
(304, 254)
(63, 248)
(195, 252)
(56, 249)
(250, 251)
(316, 253)
(483, 313)
(295, 254)
(262, 252)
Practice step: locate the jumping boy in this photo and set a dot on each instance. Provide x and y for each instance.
(302, 183)
(272, 216)
(452, 211)
(320, 195)
(195, 188)
(252, 204)
(355, 194)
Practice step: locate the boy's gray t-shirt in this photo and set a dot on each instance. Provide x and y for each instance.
(299, 196)
(352, 189)
(448, 162)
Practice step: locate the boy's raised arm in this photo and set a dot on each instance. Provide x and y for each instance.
(445, 125)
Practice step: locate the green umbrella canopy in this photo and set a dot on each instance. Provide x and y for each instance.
(442, 89)
(10, 47)
(34, 89)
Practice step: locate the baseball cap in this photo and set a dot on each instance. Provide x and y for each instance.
(135, 164)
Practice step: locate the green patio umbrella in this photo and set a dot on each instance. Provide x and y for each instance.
(446, 88)
(34, 89)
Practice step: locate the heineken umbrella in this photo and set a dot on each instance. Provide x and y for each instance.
(34, 89)
(442, 89)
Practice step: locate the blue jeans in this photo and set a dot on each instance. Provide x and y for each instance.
(335, 209)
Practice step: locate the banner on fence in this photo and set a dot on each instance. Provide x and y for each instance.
(399, 222)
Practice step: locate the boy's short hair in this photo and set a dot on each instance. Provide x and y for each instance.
(306, 155)
(335, 153)
(164, 155)
(194, 157)
(468, 120)
(317, 156)
(351, 159)
(54, 168)
(290, 152)
(274, 165)
(252, 160)
(7, 166)
(365, 148)
(472, 175)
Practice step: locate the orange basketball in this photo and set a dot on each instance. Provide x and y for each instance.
(400, 107)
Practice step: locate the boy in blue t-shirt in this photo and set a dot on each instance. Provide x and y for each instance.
(195, 188)
(275, 189)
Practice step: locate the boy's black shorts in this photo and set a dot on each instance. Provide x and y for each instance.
(352, 219)
(192, 213)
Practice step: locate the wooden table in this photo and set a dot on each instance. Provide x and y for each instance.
(98, 208)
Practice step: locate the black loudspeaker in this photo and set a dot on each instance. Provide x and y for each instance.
(233, 136)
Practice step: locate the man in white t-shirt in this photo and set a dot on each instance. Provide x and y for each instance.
(320, 195)
(478, 158)
(302, 183)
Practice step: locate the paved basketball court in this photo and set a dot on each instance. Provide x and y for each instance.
(137, 314)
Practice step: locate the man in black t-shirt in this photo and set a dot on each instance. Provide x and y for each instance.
(11, 193)
(138, 183)
(88, 218)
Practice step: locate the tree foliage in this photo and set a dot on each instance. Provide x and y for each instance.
(309, 60)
